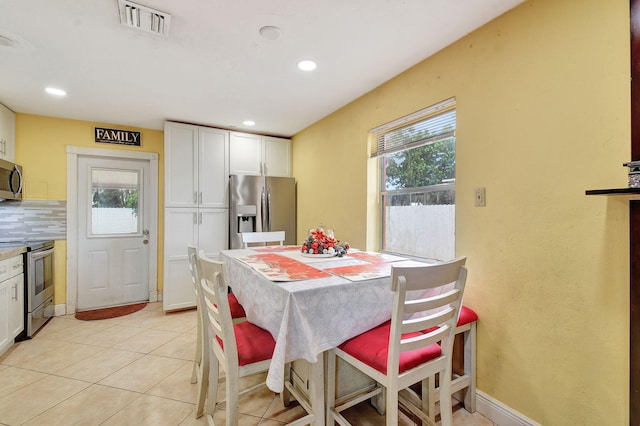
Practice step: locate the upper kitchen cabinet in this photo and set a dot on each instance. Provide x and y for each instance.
(196, 166)
(259, 155)
(7, 134)
(276, 156)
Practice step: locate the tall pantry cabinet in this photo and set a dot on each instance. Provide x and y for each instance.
(196, 203)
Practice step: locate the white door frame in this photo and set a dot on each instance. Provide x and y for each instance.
(72, 217)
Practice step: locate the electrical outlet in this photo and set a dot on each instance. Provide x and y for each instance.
(480, 197)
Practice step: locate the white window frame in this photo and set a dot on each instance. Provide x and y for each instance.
(431, 233)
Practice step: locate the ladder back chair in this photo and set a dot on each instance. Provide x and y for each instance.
(241, 349)
(415, 345)
(262, 237)
(201, 359)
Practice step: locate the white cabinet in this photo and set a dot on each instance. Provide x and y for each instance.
(276, 156)
(196, 201)
(7, 134)
(196, 166)
(245, 154)
(259, 155)
(208, 230)
(16, 305)
(11, 301)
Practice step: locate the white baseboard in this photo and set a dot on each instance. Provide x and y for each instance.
(499, 413)
(153, 296)
(60, 310)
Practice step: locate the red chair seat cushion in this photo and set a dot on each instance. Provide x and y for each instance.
(254, 344)
(372, 348)
(467, 316)
(237, 311)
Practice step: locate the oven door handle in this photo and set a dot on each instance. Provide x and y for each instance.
(35, 255)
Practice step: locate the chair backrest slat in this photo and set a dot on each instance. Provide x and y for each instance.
(263, 237)
(423, 340)
(432, 302)
(426, 322)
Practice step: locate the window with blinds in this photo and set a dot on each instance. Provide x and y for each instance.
(417, 180)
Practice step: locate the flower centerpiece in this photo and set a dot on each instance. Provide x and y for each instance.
(320, 240)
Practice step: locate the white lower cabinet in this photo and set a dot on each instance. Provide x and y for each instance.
(11, 301)
(208, 230)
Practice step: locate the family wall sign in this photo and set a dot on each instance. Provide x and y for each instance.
(117, 136)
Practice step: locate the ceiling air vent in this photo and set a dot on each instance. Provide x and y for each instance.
(144, 18)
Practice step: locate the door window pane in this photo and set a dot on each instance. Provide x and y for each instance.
(114, 201)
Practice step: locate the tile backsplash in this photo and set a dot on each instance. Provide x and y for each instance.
(33, 220)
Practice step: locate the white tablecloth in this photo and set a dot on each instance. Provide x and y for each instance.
(307, 317)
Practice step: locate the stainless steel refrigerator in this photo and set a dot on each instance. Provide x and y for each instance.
(260, 204)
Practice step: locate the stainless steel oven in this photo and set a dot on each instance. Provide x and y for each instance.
(39, 285)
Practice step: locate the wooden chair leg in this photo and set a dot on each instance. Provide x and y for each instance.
(392, 406)
(212, 392)
(445, 398)
(470, 368)
(429, 396)
(331, 387)
(203, 388)
(198, 356)
(232, 400)
(285, 395)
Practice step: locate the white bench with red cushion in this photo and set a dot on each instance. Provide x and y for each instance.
(465, 382)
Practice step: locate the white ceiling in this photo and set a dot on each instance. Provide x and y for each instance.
(214, 68)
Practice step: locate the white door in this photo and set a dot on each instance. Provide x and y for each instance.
(113, 231)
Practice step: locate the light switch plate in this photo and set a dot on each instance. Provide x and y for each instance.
(480, 197)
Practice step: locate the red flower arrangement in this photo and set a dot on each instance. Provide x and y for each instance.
(320, 240)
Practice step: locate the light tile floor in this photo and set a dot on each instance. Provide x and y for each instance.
(131, 370)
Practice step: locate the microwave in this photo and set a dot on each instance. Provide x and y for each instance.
(10, 181)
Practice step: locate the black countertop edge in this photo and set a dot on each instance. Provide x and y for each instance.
(613, 191)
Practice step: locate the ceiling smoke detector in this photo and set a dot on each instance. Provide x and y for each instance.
(144, 18)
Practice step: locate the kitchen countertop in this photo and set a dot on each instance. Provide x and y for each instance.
(8, 251)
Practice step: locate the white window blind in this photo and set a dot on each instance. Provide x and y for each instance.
(414, 130)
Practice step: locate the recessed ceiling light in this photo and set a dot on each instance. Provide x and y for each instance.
(307, 65)
(249, 123)
(56, 92)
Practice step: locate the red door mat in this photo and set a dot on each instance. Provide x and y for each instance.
(105, 313)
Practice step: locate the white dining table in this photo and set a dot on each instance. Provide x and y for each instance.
(306, 316)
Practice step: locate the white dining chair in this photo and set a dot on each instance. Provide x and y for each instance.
(201, 358)
(241, 349)
(415, 345)
(263, 237)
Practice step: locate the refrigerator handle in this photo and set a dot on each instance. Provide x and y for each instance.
(268, 209)
(263, 219)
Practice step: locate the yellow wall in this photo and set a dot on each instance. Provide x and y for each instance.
(41, 144)
(543, 114)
